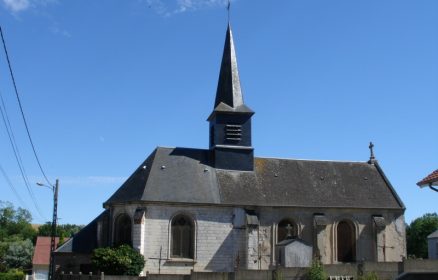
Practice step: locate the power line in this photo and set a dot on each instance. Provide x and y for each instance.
(21, 108)
(14, 145)
(14, 190)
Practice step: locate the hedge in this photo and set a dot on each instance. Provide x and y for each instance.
(12, 275)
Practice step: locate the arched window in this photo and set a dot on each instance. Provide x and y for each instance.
(123, 230)
(286, 229)
(182, 238)
(346, 241)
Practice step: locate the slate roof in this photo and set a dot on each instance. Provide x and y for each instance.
(182, 175)
(41, 253)
(431, 179)
(433, 235)
(84, 241)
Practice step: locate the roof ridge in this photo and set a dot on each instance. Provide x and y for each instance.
(319, 160)
(187, 148)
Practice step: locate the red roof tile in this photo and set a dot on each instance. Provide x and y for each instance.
(432, 178)
(41, 254)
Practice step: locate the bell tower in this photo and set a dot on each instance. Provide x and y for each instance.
(230, 121)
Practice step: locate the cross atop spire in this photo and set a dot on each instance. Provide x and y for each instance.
(372, 157)
(229, 93)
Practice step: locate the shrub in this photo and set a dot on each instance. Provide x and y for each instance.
(278, 275)
(122, 260)
(316, 271)
(12, 275)
(369, 276)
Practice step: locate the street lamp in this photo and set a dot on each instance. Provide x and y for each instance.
(53, 231)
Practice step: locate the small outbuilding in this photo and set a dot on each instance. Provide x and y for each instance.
(294, 253)
(432, 245)
(41, 258)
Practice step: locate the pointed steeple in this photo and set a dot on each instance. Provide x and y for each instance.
(230, 121)
(229, 92)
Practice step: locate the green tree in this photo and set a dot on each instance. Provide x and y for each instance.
(66, 230)
(16, 236)
(19, 254)
(15, 222)
(122, 260)
(417, 232)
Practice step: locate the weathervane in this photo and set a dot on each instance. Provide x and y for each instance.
(228, 10)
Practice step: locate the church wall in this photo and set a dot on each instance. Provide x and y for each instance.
(222, 246)
(396, 239)
(216, 242)
(366, 236)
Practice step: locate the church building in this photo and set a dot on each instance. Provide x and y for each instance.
(222, 209)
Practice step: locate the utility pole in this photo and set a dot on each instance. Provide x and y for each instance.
(54, 220)
(53, 232)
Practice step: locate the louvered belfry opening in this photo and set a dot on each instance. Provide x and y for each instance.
(182, 237)
(233, 132)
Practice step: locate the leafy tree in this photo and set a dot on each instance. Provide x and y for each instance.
(62, 231)
(122, 260)
(19, 254)
(16, 235)
(15, 222)
(417, 232)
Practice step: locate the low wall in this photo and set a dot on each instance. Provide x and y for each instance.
(384, 270)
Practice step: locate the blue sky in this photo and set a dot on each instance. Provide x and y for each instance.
(103, 83)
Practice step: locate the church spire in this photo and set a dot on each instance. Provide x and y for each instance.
(230, 121)
(228, 91)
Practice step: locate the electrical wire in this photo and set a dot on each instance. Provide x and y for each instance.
(16, 151)
(14, 190)
(21, 108)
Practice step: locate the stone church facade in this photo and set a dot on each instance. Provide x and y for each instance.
(222, 209)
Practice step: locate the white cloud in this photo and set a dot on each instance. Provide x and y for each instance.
(169, 8)
(58, 31)
(16, 6)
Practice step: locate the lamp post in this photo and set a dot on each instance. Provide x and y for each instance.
(53, 231)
